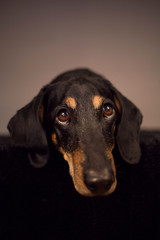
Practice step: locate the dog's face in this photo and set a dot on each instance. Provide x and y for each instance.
(81, 123)
(83, 115)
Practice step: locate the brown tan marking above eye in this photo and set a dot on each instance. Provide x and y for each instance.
(97, 101)
(71, 102)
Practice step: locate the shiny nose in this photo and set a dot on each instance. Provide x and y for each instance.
(99, 182)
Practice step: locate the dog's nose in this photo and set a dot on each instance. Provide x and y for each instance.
(98, 182)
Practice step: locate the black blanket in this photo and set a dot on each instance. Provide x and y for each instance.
(42, 203)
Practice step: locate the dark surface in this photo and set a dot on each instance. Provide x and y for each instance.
(43, 204)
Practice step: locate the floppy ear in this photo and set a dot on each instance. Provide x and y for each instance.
(128, 130)
(26, 131)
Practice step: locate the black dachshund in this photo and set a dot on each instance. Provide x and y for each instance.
(86, 118)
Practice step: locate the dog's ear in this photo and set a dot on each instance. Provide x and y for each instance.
(128, 130)
(26, 131)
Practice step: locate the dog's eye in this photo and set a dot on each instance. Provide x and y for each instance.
(108, 110)
(63, 116)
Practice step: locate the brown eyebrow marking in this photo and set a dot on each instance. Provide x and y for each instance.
(71, 102)
(97, 101)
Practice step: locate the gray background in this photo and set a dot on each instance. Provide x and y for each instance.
(118, 39)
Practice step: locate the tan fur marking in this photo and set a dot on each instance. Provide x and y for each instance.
(71, 102)
(109, 154)
(97, 101)
(75, 160)
(54, 138)
(117, 103)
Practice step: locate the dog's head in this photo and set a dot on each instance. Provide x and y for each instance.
(84, 116)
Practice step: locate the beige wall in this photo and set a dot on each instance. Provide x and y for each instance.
(40, 39)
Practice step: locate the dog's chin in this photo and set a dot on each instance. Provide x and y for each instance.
(87, 193)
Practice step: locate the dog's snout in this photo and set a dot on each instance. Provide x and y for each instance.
(99, 182)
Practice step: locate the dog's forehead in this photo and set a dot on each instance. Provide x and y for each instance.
(79, 90)
(87, 89)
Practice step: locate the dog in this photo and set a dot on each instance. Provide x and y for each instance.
(81, 114)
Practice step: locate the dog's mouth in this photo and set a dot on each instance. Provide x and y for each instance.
(91, 183)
